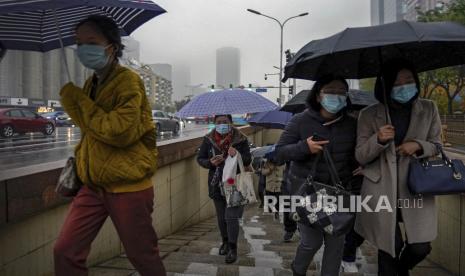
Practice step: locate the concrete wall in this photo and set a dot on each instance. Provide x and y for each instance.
(181, 199)
(449, 246)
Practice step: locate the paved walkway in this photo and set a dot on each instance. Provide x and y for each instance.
(194, 251)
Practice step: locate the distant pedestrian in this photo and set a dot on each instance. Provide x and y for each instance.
(222, 141)
(324, 123)
(115, 158)
(385, 150)
(274, 176)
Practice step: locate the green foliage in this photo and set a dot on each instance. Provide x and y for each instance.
(444, 85)
(367, 84)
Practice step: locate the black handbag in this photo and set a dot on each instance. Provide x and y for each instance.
(436, 177)
(327, 218)
(69, 183)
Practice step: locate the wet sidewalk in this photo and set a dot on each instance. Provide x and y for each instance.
(194, 251)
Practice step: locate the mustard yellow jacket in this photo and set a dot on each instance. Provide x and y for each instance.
(117, 151)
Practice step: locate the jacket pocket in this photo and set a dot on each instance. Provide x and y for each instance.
(372, 172)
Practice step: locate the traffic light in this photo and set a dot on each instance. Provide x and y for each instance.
(291, 90)
(289, 55)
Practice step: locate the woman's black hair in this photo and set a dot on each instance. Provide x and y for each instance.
(389, 73)
(312, 100)
(108, 28)
(223, 115)
(2, 51)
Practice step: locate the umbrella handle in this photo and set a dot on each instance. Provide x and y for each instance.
(383, 87)
(63, 53)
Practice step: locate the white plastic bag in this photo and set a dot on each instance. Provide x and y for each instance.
(244, 182)
(238, 188)
(230, 169)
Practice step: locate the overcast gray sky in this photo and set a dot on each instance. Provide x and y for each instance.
(192, 30)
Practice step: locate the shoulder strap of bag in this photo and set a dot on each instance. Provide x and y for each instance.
(311, 176)
(332, 168)
(240, 162)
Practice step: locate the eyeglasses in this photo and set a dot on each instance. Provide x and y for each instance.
(334, 91)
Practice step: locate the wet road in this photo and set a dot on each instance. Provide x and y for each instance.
(35, 149)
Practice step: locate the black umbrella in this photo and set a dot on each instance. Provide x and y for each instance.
(357, 53)
(358, 100)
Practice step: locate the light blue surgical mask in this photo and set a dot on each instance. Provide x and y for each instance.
(404, 93)
(333, 103)
(223, 128)
(93, 56)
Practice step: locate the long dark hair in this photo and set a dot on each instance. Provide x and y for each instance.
(108, 28)
(312, 100)
(223, 115)
(389, 73)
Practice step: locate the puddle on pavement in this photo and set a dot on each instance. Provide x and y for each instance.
(263, 258)
(201, 269)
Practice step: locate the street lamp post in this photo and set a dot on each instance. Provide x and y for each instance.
(281, 47)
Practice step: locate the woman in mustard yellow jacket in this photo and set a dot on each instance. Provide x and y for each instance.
(115, 158)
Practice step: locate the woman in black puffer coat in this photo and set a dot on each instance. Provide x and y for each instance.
(222, 141)
(324, 123)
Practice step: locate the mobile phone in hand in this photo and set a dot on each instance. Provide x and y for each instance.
(317, 137)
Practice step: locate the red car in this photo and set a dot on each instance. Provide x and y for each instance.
(16, 120)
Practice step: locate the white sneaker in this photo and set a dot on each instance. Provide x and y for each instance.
(349, 267)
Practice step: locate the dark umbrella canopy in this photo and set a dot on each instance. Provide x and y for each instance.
(357, 53)
(32, 24)
(358, 100)
(274, 119)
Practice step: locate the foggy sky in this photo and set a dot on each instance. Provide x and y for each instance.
(191, 31)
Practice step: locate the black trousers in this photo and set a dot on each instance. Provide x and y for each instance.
(408, 255)
(261, 187)
(290, 225)
(228, 221)
(352, 242)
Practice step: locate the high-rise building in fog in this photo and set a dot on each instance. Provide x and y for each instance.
(181, 82)
(131, 48)
(164, 70)
(386, 11)
(37, 77)
(228, 67)
(413, 6)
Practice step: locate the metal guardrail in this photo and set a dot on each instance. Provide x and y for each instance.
(454, 129)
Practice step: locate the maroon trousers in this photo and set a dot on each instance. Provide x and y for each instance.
(131, 215)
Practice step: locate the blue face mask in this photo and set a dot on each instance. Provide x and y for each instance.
(333, 103)
(222, 128)
(92, 56)
(404, 93)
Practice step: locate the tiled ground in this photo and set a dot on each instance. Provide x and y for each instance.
(194, 251)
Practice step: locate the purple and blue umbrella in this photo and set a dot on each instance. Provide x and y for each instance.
(229, 101)
(271, 119)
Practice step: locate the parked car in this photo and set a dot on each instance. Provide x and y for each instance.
(182, 121)
(60, 118)
(16, 120)
(164, 122)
